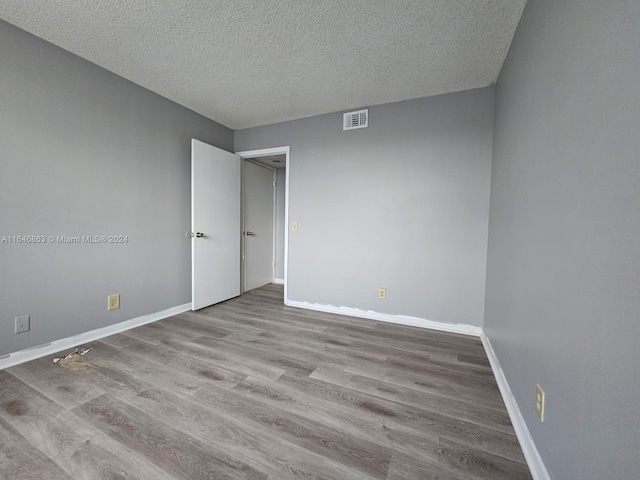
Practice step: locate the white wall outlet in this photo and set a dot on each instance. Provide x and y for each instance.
(382, 293)
(294, 226)
(113, 302)
(23, 324)
(540, 402)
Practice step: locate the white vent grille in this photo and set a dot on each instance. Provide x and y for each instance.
(352, 120)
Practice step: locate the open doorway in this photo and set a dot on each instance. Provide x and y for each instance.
(258, 218)
(259, 167)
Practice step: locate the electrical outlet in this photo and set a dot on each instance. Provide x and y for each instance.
(382, 293)
(540, 402)
(294, 226)
(23, 324)
(113, 302)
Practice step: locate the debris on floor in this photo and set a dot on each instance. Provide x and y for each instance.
(76, 353)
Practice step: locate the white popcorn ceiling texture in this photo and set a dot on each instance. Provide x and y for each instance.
(246, 63)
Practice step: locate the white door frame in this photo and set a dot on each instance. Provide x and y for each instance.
(243, 246)
(263, 152)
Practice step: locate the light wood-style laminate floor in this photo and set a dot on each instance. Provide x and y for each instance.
(251, 389)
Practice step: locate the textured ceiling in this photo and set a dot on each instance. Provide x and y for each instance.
(245, 63)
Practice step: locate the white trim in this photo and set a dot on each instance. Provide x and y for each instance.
(193, 226)
(274, 224)
(286, 227)
(243, 245)
(26, 355)
(536, 465)
(275, 151)
(279, 281)
(243, 237)
(263, 152)
(462, 328)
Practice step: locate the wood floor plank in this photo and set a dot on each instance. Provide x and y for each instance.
(266, 453)
(237, 363)
(473, 367)
(336, 343)
(453, 339)
(166, 326)
(419, 344)
(437, 382)
(76, 447)
(117, 341)
(189, 365)
(496, 432)
(103, 377)
(327, 350)
(453, 373)
(315, 437)
(164, 378)
(411, 468)
(57, 385)
(174, 451)
(201, 318)
(274, 359)
(491, 417)
(480, 465)
(137, 373)
(371, 424)
(417, 335)
(184, 323)
(247, 312)
(480, 360)
(251, 388)
(291, 347)
(20, 460)
(417, 419)
(154, 334)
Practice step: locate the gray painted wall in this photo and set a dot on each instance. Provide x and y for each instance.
(85, 152)
(563, 288)
(402, 204)
(280, 225)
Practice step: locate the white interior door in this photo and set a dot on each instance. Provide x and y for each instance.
(215, 224)
(258, 225)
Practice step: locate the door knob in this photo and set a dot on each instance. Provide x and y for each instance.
(250, 234)
(199, 234)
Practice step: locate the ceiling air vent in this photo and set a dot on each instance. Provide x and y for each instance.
(352, 120)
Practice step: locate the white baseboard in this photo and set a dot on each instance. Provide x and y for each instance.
(279, 281)
(70, 342)
(461, 328)
(536, 465)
